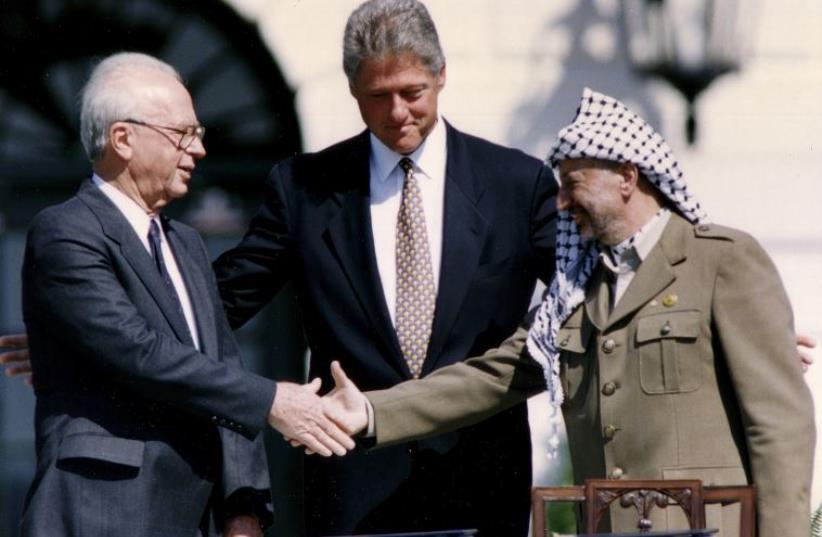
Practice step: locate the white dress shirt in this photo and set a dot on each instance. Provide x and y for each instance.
(386, 180)
(140, 222)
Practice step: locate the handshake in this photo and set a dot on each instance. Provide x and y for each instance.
(322, 425)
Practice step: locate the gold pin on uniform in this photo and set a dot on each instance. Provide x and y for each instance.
(670, 300)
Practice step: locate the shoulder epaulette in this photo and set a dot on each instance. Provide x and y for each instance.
(713, 231)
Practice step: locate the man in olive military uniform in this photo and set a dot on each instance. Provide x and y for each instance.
(667, 340)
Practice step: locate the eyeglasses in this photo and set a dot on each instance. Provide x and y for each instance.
(187, 135)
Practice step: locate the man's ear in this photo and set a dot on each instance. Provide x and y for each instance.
(441, 79)
(120, 140)
(630, 178)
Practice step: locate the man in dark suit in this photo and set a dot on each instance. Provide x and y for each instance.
(146, 422)
(335, 223)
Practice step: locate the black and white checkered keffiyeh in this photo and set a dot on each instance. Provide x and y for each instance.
(606, 129)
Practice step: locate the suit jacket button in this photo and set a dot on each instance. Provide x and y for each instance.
(616, 473)
(608, 388)
(608, 346)
(609, 431)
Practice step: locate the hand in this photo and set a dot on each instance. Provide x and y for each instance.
(803, 343)
(297, 413)
(242, 526)
(18, 358)
(345, 405)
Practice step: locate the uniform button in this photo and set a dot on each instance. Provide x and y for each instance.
(609, 431)
(608, 388)
(616, 473)
(666, 329)
(608, 346)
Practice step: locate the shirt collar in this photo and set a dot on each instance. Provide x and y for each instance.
(428, 157)
(136, 215)
(628, 254)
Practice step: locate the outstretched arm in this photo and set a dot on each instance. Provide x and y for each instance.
(450, 398)
(458, 395)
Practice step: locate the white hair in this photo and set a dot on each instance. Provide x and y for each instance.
(103, 103)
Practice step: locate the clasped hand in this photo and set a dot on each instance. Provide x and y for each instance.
(345, 406)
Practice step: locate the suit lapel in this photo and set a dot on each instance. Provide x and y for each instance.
(350, 237)
(198, 293)
(464, 231)
(656, 272)
(117, 228)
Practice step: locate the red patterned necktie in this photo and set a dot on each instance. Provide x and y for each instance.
(415, 278)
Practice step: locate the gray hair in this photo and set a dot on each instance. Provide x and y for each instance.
(103, 102)
(380, 28)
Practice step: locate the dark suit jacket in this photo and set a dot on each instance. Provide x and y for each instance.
(314, 229)
(138, 434)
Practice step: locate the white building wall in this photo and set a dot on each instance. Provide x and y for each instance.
(515, 73)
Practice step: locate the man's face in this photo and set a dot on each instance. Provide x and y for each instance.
(397, 97)
(161, 169)
(590, 191)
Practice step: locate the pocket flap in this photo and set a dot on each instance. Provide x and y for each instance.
(105, 448)
(675, 324)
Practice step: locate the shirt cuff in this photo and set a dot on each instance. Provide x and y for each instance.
(371, 431)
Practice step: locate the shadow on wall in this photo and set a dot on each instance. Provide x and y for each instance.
(593, 33)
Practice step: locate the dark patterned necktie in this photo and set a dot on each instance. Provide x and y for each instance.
(157, 253)
(416, 295)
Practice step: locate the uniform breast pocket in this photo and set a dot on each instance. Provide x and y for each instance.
(575, 372)
(669, 360)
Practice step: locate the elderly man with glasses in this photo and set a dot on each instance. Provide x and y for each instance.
(146, 422)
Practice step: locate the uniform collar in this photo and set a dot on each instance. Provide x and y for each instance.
(628, 254)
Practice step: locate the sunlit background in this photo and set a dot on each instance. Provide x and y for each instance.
(267, 82)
